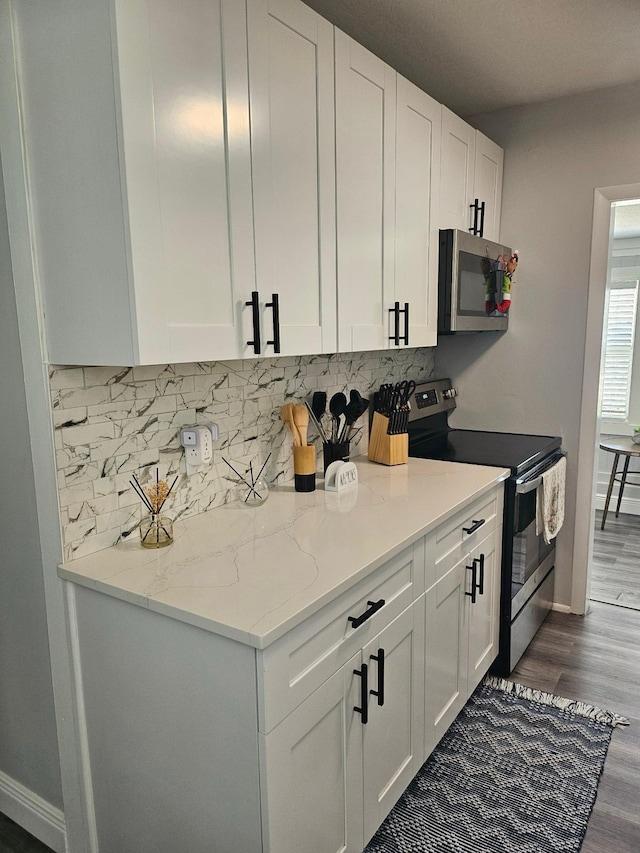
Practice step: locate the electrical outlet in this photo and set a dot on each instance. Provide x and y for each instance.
(198, 445)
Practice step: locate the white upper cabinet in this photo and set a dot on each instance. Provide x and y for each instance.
(365, 165)
(137, 140)
(416, 216)
(488, 183)
(293, 159)
(214, 179)
(387, 164)
(471, 179)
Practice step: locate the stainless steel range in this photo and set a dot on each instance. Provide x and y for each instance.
(527, 561)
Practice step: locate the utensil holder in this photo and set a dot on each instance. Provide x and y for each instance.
(334, 453)
(384, 448)
(304, 468)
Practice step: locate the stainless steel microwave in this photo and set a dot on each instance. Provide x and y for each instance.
(474, 284)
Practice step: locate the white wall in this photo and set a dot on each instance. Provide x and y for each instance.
(529, 379)
(28, 741)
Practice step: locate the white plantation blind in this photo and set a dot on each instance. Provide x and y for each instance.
(619, 333)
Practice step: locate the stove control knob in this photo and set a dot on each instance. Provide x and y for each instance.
(450, 393)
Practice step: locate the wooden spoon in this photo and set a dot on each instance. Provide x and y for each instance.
(286, 413)
(301, 420)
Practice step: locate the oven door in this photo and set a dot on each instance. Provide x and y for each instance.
(530, 551)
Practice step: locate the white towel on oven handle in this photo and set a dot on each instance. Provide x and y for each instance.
(550, 500)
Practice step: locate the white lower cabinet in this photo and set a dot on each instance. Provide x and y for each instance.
(197, 742)
(462, 610)
(347, 753)
(312, 772)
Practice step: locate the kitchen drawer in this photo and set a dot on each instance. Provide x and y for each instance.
(299, 662)
(452, 542)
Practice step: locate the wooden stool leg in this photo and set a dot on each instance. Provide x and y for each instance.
(612, 479)
(623, 483)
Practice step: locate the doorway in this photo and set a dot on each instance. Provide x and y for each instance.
(615, 567)
(591, 468)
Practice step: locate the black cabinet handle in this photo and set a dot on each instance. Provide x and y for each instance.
(406, 323)
(363, 710)
(395, 337)
(480, 561)
(380, 691)
(373, 607)
(255, 313)
(275, 306)
(481, 229)
(474, 526)
(474, 582)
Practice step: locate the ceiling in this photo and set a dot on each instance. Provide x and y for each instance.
(481, 55)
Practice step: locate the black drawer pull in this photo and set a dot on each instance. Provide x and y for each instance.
(374, 606)
(363, 710)
(474, 526)
(380, 691)
(255, 318)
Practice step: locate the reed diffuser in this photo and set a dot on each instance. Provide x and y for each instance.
(156, 529)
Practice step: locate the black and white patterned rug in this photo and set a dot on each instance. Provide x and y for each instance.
(517, 771)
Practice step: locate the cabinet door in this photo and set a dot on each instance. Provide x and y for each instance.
(446, 653)
(416, 223)
(483, 615)
(456, 172)
(312, 771)
(393, 737)
(365, 176)
(291, 76)
(489, 159)
(184, 119)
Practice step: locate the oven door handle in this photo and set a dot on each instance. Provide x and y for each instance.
(527, 485)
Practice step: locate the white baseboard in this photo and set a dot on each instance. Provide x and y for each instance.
(31, 812)
(630, 506)
(561, 608)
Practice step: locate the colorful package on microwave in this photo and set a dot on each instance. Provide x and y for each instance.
(498, 275)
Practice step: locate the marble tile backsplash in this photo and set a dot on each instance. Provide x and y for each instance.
(112, 422)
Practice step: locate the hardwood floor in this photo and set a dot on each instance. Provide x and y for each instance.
(596, 658)
(615, 566)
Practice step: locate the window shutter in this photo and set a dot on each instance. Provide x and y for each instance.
(619, 334)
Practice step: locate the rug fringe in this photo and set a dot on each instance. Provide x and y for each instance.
(571, 705)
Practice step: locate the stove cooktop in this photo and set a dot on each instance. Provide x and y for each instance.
(503, 450)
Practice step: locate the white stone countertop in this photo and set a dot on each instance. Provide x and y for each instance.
(253, 574)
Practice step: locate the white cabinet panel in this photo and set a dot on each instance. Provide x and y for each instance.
(457, 172)
(489, 160)
(446, 654)
(174, 143)
(393, 737)
(471, 177)
(312, 796)
(483, 614)
(291, 78)
(365, 162)
(462, 617)
(416, 215)
(136, 126)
